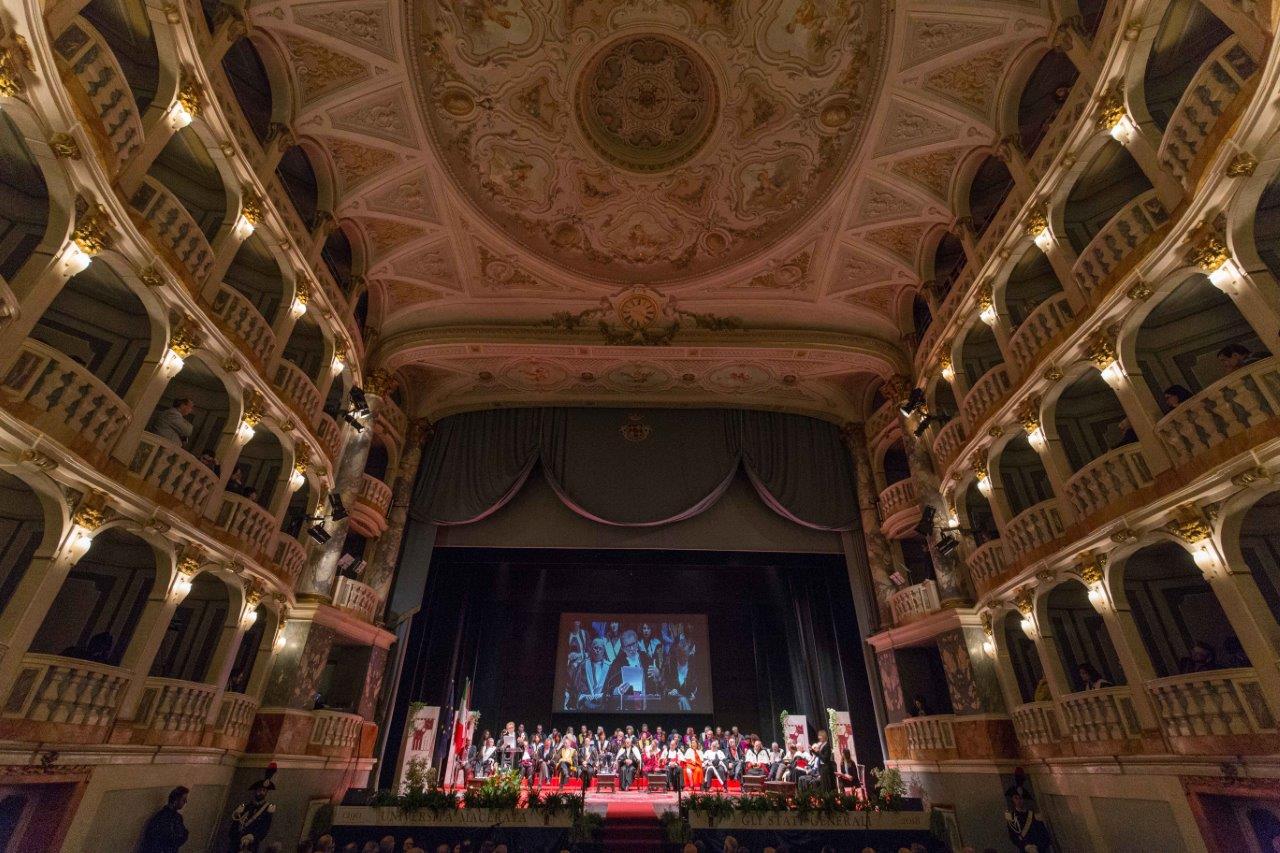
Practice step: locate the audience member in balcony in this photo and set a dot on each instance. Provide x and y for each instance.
(1127, 435)
(1175, 396)
(1202, 659)
(1233, 656)
(211, 462)
(919, 707)
(236, 484)
(173, 423)
(1232, 357)
(98, 649)
(1043, 694)
(1090, 679)
(166, 831)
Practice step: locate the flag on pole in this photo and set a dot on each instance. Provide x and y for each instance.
(460, 721)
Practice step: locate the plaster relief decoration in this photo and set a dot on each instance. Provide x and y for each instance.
(361, 23)
(382, 114)
(639, 316)
(645, 143)
(322, 71)
(409, 195)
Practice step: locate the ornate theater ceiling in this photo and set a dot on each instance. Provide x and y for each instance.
(652, 202)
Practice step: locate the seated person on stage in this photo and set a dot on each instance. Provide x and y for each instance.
(714, 762)
(628, 763)
(777, 762)
(588, 762)
(810, 777)
(693, 767)
(631, 655)
(649, 756)
(566, 760)
(587, 682)
(757, 759)
(670, 760)
(734, 758)
(488, 759)
(790, 764)
(524, 749)
(605, 753)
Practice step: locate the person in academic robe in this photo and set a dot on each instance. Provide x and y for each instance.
(488, 758)
(588, 762)
(826, 760)
(681, 676)
(630, 655)
(670, 761)
(252, 817)
(628, 763)
(587, 687)
(713, 761)
(810, 777)
(733, 758)
(777, 762)
(1026, 830)
(756, 759)
(507, 746)
(790, 764)
(524, 752)
(578, 637)
(612, 640)
(694, 771)
(649, 642)
(566, 760)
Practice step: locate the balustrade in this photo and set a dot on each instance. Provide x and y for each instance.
(984, 394)
(329, 434)
(914, 602)
(358, 598)
(1220, 79)
(172, 705)
(336, 729)
(1060, 128)
(162, 463)
(174, 227)
(242, 319)
(94, 64)
(289, 556)
(1037, 723)
(1219, 702)
(881, 419)
(1049, 317)
(55, 689)
(298, 390)
(930, 733)
(987, 563)
(397, 422)
(1121, 235)
(1242, 399)
(1099, 715)
(1108, 478)
(235, 716)
(1033, 527)
(70, 401)
(948, 443)
(375, 494)
(247, 522)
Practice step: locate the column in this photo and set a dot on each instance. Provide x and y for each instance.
(382, 566)
(878, 558)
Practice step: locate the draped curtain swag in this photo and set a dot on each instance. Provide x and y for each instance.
(636, 468)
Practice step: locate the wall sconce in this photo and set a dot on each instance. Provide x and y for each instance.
(1204, 558)
(339, 360)
(280, 641)
(1044, 240)
(245, 432)
(85, 521)
(297, 307)
(75, 260)
(250, 616)
(296, 480)
(1037, 440)
(1037, 227)
(988, 636)
(989, 647)
(948, 369)
(1123, 130)
(81, 542)
(988, 315)
(243, 227)
(1102, 352)
(1028, 626)
(1025, 602)
(984, 484)
(180, 588)
(1113, 375)
(252, 598)
(179, 116)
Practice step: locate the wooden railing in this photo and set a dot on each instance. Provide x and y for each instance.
(1037, 723)
(160, 462)
(914, 602)
(174, 226)
(73, 402)
(242, 319)
(984, 394)
(1048, 318)
(1219, 702)
(298, 390)
(94, 64)
(172, 705)
(1099, 715)
(1123, 233)
(1242, 399)
(356, 597)
(247, 522)
(1220, 79)
(55, 689)
(1111, 476)
(1033, 527)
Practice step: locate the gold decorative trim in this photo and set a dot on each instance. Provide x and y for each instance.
(185, 337)
(93, 230)
(1243, 165)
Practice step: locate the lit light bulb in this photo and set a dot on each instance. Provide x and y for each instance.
(949, 373)
(1028, 626)
(243, 227)
(1204, 559)
(181, 587)
(296, 479)
(172, 363)
(989, 647)
(297, 308)
(75, 259)
(988, 315)
(1224, 276)
(1044, 240)
(1123, 130)
(984, 486)
(250, 617)
(81, 543)
(1113, 374)
(338, 364)
(1096, 596)
(179, 117)
(1036, 439)
(244, 433)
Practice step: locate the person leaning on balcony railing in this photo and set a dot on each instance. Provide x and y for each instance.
(1202, 659)
(1175, 396)
(173, 423)
(1232, 357)
(1090, 679)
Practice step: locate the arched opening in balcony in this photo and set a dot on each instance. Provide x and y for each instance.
(298, 510)
(1188, 33)
(98, 322)
(361, 313)
(255, 274)
(1091, 12)
(948, 261)
(194, 631)
(990, 187)
(1020, 475)
(1178, 344)
(977, 515)
(1031, 282)
(893, 463)
(979, 354)
(209, 415)
(1181, 623)
(247, 655)
(341, 682)
(921, 316)
(22, 532)
(339, 258)
(250, 85)
(376, 463)
(186, 170)
(1084, 646)
(1046, 90)
(1266, 228)
(1111, 182)
(126, 28)
(98, 609)
(1089, 421)
(298, 177)
(916, 559)
(1023, 658)
(924, 681)
(24, 201)
(306, 349)
(1259, 540)
(337, 399)
(943, 404)
(259, 469)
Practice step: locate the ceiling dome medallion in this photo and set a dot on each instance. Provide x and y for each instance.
(647, 103)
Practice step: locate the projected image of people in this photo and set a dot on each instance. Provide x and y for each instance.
(649, 663)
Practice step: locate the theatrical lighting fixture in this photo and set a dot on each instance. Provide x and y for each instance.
(335, 505)
(925, 526)
(915, 402)
(359, 403)
(929, 420)
(946, 544)
(350, 417)
(318, 533)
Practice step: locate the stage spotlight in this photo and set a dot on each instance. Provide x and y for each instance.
(915, 402)
(360, 405)
(335, 505)
(930, 419)
(351, 418)
(946, 544)
(318, 533)
(925, 525)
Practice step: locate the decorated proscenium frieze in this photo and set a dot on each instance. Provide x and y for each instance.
(640, 316)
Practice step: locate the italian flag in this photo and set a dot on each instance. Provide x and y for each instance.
(460, 721)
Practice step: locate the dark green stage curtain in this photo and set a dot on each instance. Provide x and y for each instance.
(636, 467)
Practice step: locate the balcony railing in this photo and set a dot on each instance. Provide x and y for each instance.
(242, 319)
(984, 394)
(247, 522)
(55, 689)
(1108, 478)
(174, 227)
(1121, 235)
(298, 390)
(330, 435)
(914, 602)
(375, 493)
(1033, 527)
(289, 556)
(160, 462)
(930, 733)
(950, 441)
(1037, 723)
(1220, 79)
(987, 562)
(898, 507)
(74, 404)
(336, 729)
(356, 597)
(1242, 399)
(94, 64)
(881, 418)
(1219, 702)
(1049, 317)
(172, 705)
(1064, 122)
(1100, 715)
(235, 715)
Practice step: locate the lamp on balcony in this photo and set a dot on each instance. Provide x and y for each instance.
(915, 402)
(338, 511)
(180, 588)
(75, 260)
(318, 532)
